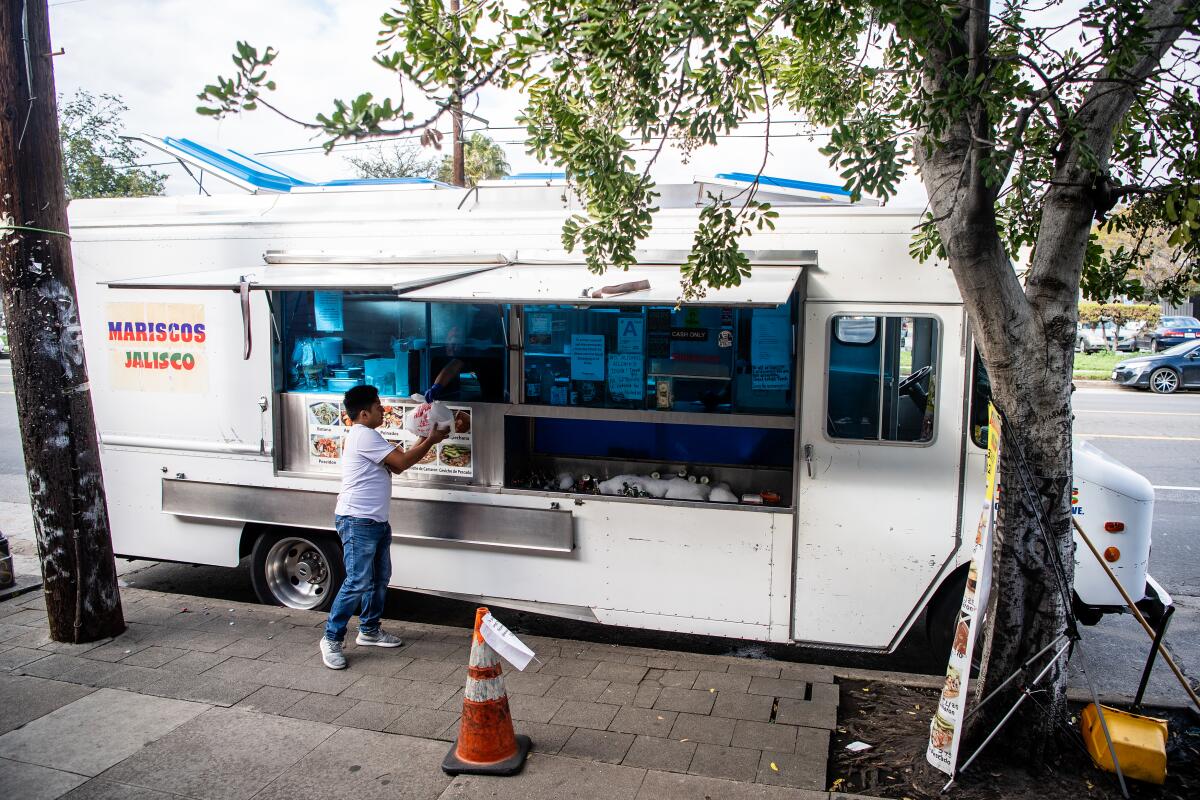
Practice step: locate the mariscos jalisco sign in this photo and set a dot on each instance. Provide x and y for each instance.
(157, 346)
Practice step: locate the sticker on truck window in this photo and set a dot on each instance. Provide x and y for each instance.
(157, 347)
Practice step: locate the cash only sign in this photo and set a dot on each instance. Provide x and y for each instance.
(945, 731)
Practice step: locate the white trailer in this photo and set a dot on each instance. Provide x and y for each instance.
(833, 394)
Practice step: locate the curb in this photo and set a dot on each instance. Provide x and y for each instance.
(911, 679)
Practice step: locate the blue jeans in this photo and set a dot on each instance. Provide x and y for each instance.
(366, 551)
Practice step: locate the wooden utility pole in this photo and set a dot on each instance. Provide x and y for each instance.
(58, 431)
(456, 115)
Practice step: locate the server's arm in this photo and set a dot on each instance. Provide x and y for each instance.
(399, 460)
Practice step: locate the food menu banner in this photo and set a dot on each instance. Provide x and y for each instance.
(328, 424)
(945, 731)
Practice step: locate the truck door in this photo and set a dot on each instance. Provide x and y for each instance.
(881, 427)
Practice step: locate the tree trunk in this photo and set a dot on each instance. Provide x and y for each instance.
(1033, 560)
(1029, 360)
(458, 154)
(58, 431)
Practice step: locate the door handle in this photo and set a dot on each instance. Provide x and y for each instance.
(262, 424)
(808, 459)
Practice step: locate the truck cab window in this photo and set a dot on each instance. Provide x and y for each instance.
(882, 378)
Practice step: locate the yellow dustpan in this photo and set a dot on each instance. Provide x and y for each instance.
(1140, 742)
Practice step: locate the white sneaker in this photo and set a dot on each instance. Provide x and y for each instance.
(331, 654)
(380, 638)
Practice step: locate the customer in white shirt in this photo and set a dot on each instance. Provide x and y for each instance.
(361, 518)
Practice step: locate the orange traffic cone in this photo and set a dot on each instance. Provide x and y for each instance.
(486, 743)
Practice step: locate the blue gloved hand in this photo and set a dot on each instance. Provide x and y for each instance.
(433, 392)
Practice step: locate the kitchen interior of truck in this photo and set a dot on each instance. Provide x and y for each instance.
(629, 395)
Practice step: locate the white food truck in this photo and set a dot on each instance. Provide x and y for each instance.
(795, 459)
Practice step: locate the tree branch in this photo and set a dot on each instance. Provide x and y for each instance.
(1069, 207)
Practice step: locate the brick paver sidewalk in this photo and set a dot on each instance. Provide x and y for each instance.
(217, 700)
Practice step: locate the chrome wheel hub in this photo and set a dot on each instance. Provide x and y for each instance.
(297, 573)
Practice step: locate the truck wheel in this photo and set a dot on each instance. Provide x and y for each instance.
(941, 615)
(297, 569)
(1164, 380)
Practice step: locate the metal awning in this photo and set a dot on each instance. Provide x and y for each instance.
(769, 285)
(394, 275)
(310, 277)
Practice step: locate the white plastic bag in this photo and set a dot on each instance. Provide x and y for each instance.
(683, 489)
(421, 420)
(722, 494)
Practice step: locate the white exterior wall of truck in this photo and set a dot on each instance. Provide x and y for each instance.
(204, 450)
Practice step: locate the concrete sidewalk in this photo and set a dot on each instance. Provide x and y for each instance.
(205, 700)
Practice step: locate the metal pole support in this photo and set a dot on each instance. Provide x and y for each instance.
(1160, 630)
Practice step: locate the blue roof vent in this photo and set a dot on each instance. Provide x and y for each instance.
(256, 174)
(786, 183)
(237, 165)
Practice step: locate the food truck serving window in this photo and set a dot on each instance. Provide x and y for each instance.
(338, 339)
(882, 378)
(714, 359)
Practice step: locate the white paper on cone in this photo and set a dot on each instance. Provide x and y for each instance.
(505, 642)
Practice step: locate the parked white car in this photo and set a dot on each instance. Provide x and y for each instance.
(1092, 338)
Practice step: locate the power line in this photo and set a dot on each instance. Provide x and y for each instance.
(384, 140)
(299, 151)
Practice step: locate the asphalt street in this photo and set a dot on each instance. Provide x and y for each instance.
(1156, 435)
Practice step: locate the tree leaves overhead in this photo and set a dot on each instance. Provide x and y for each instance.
(891, 82)
(97, 162)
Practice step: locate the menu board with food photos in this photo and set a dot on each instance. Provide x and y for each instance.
(945, 730)
(328, 425)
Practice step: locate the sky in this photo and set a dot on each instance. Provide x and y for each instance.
(159, 54)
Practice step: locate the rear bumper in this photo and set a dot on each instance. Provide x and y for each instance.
(1157, 600)
(1153, 605)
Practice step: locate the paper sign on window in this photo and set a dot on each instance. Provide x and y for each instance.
(327, 311)
(625, 380)
(630, 331)
(771, 349)
(539, 328)
(587, 357)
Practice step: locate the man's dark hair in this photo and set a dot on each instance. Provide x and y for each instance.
(358, 400)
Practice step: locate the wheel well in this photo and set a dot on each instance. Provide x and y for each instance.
(252, 530)
(953, 582)
(941, 610)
